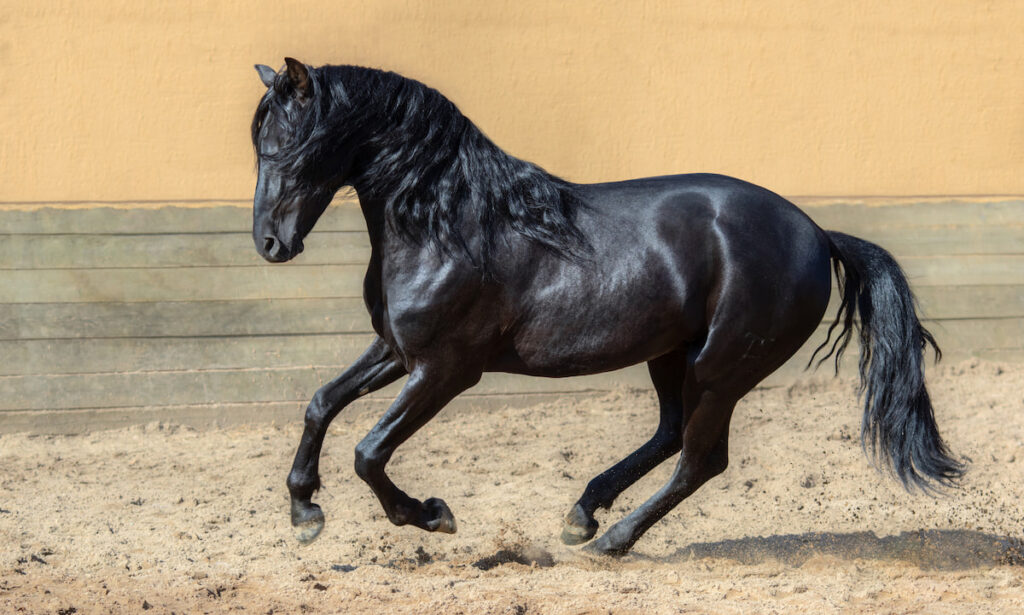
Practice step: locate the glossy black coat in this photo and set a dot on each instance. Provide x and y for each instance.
(481, 262)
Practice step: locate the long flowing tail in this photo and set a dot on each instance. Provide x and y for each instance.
(899, 426)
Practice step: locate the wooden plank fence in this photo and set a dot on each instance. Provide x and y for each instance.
(117, 315)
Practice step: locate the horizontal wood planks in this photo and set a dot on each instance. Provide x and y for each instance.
(134, 313)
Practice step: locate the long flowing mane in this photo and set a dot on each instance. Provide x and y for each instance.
(434, 169)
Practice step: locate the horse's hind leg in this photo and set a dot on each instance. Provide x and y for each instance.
(377, 367)
(704, 455)
(667, 373)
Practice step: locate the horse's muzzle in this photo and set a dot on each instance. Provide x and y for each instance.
(276, 251)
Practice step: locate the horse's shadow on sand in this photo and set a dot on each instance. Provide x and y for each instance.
(927, 549)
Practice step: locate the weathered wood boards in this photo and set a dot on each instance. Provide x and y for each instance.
(110, 315)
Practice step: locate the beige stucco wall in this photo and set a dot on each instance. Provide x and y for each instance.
(126, 100)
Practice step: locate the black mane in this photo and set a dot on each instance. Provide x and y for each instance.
(413, 149)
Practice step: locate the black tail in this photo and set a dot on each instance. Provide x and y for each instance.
(899, 425)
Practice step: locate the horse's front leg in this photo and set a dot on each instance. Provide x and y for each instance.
(425, 393)
(377, 367)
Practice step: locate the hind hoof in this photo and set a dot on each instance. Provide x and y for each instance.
(441, 517)
(578, 528)
(308, 521)
(616, 542)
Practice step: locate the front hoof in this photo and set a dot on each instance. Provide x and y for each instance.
(439, 517)
(308, 521)
(578, 527)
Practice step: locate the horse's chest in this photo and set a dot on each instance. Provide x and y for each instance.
(373, 296)
(415, 309)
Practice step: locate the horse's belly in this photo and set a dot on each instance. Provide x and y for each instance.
(562, 343)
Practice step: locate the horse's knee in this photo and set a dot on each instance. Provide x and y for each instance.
(316, 412)
(367, 461)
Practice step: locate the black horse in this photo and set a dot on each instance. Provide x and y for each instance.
(483, 262)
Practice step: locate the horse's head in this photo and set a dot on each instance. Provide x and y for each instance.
(298, 175)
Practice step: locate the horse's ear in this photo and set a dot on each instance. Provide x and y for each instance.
(298, 74)
(267, 74)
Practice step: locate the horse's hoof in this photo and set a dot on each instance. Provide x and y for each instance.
(605, 548)
(308, 521)
(441, 517)
(611, 544)
(577, 527)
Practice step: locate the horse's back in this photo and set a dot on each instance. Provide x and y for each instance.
(765, 271)
(697, 195)
(750, 222)
(668, 253)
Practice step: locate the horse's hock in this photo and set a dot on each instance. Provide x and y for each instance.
(113, 316)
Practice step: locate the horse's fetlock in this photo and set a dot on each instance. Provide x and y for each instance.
(295, 481)
(300, 485)
(400, 515)
(592, 491)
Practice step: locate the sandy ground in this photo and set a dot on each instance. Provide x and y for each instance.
(166, 519)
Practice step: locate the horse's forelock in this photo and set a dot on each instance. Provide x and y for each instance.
(299, 124)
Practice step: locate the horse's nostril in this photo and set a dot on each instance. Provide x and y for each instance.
(270, 245)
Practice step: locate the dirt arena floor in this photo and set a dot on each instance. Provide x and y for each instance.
(166, 519)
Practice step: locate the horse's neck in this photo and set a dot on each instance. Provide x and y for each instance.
(374, 214)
